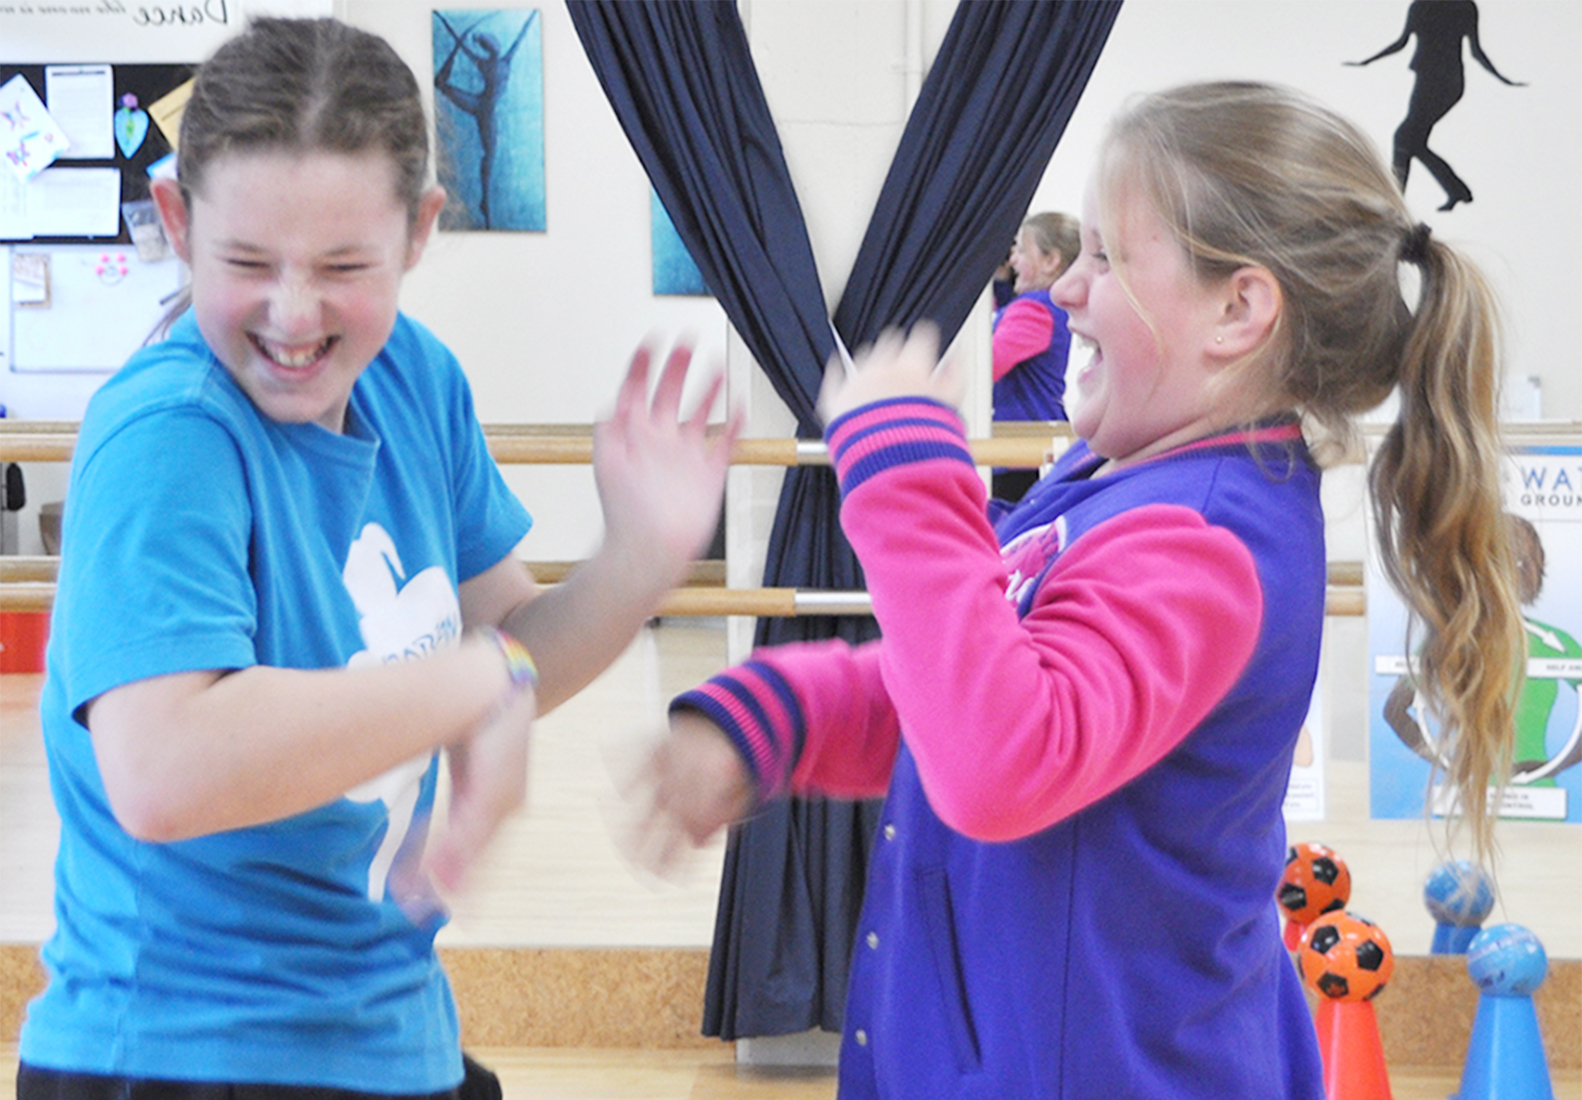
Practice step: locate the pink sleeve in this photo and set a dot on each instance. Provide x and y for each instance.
(852, 729)
(1138, 630)
(808, 717)
(1024, 330)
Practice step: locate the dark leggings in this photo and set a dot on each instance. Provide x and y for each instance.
(33, 1083)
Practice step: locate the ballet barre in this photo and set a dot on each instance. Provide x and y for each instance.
(28, 583)
(1023, 444)
(572, 445)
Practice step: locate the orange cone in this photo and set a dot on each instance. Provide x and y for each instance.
(1293, 935)
(1348, 1039)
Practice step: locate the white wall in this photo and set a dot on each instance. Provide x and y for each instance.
(544, 322)
(1519, 149)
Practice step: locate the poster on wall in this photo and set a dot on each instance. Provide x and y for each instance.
(489, 118)
(1544, 507)
(675, 272)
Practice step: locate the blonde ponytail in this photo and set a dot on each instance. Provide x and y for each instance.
(1443, 538)
(1252, 174)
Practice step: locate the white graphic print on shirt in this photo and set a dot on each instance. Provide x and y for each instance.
(398, 621)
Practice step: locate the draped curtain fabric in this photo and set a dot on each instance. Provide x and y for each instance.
(684, 87)
(998, 96)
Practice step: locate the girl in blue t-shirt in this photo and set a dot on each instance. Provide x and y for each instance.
(271, 513)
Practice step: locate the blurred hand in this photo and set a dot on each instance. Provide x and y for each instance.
(488, 783)
(693, 785)
(661, 477)
(896, 365)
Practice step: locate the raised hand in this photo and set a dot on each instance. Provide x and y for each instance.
(896, 365)
(661, 476)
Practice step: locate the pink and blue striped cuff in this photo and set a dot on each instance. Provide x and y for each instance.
(893, 432)
(756, 708)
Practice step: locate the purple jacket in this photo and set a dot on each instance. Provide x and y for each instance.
(1085, 724)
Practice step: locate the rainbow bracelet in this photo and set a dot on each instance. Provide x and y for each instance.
(518, 661)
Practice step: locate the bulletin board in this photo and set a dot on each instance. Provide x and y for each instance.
(85, 315)
(86, 273)
(150, 84)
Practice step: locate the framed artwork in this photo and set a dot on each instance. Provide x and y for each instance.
(489, 118)
(675, 272)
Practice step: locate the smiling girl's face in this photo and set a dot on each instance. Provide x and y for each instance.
(296, 262)
(1031, 266)
(1149, 385)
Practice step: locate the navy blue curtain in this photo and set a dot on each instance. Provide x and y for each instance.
(684, 87)
(987, 119)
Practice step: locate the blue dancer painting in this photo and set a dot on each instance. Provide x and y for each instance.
(489, 114)
(675, 272)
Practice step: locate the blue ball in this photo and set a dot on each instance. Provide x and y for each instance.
(1459, 893)
(1506, 960)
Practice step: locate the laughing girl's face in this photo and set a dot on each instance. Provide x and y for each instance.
(1147, 387)
(296, 263)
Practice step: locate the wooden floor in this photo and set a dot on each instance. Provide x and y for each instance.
(691, 1075)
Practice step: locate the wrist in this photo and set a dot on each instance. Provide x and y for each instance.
(641, 569)
(520, 667)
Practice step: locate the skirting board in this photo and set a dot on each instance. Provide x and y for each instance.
(653, 998)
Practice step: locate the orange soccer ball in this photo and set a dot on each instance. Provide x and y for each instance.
(1345, 957)
(1315, 881)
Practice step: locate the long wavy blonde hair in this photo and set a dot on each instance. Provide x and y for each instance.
(1252, 174)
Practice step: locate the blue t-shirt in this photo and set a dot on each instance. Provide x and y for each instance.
(199, 534)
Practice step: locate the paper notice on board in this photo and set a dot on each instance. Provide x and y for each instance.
(13, 209)
(30, 279)
(166, 112)
(75, 202)
(79, 99)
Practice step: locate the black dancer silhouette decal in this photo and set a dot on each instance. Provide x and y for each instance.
(480, 94)
(1440, 27)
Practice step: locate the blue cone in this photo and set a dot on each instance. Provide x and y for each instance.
(1505, 1059)
(1452, 939)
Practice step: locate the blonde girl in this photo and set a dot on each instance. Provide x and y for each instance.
(1031, 343)
(1084, 718)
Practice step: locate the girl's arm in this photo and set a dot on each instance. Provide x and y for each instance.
(1024, 331)
(807, 718)
(1136, 632)
(810, 718)
(193, 753)
(661, 479)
